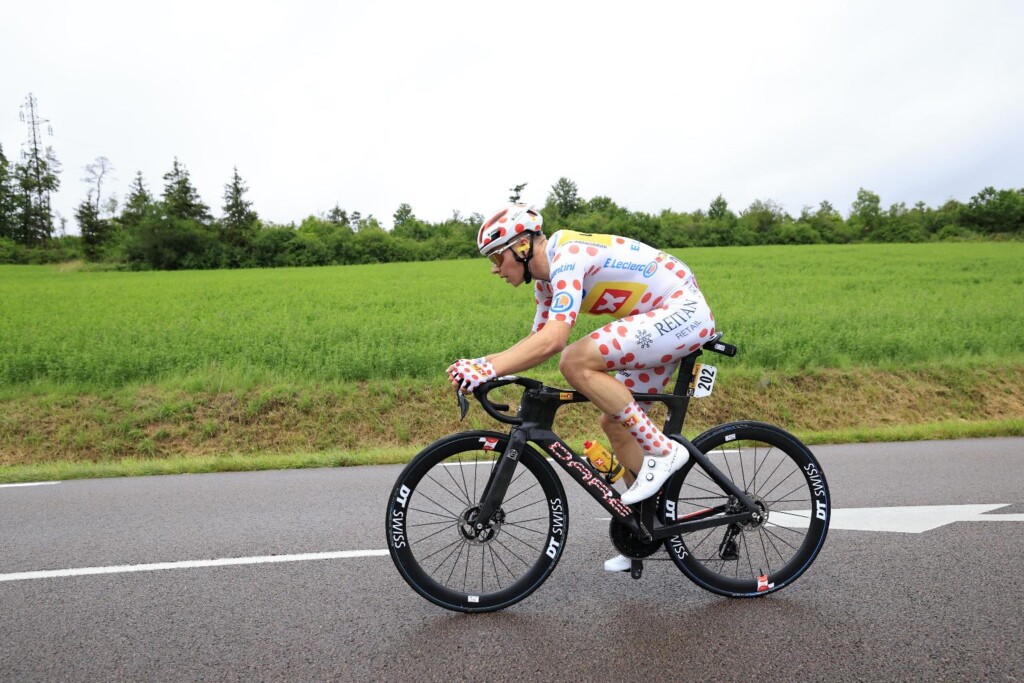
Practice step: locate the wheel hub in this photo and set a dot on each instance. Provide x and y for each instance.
(761, 516)
(478, 533)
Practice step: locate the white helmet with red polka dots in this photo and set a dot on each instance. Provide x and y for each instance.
(505, 225)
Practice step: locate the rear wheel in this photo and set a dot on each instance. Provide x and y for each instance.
(783, 479)
(432, 528)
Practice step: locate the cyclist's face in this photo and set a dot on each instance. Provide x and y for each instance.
(508, 268)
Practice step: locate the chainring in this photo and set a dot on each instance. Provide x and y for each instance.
(627, 543)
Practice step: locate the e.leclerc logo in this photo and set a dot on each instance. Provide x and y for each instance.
(562, 302)
(651, 269)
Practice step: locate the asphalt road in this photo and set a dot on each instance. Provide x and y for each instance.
(946, 604)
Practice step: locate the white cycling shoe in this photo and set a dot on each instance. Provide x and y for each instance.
(619, 563)
(654, 473)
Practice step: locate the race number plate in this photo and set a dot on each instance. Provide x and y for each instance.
(703, 380)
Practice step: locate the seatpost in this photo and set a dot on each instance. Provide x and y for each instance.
(677, 413)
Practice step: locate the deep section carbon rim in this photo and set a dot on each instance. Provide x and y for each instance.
(783, 479)
(438, 544)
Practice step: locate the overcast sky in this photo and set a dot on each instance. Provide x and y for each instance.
(446, 105)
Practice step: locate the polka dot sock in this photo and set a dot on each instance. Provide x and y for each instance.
(650, 438)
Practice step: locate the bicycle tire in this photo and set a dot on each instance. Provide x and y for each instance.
(426, 517)
(763, 557)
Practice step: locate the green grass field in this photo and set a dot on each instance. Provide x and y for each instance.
(885, 306)
(129, 373)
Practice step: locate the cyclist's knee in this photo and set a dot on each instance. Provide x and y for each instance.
(577, 360)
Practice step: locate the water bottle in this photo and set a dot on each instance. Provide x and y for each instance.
(603, 460)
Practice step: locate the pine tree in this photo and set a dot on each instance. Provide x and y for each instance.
(240, 221)
(337, 215)
(37, 177)
(135, 206)
(8, 199)
(181, 199)
(93, 229)
(565, 197)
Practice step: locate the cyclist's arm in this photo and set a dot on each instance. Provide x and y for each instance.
(533, 350)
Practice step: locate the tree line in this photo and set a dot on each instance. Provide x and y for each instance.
(177, 230)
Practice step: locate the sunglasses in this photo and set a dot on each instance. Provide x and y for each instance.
(497, 256)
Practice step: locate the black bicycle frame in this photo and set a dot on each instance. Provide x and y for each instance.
(534, 424)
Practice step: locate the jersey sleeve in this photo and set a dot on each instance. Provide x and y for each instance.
(567, 271)
(542, 295)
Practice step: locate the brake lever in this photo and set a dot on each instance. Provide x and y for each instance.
(463, 405)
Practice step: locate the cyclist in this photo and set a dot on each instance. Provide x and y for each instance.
(660, 316)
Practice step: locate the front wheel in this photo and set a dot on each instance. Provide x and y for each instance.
(434, 539)
(786, 483)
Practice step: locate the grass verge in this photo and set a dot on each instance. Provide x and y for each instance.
(61, 470)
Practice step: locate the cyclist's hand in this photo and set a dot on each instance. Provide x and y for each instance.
(467, 375)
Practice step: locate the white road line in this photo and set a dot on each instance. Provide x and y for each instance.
(912, 519)
(34, 483)
(189, 564)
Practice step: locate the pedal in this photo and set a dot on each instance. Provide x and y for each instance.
(636, 569)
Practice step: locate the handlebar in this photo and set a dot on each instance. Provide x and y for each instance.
(497, 410)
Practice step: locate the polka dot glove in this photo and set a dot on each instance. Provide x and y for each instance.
(467, 374)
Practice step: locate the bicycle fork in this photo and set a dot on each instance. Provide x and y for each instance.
(497, 484)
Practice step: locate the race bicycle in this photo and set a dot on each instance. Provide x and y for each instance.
(478, 520)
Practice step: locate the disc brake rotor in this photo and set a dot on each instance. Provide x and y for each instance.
(480, 534)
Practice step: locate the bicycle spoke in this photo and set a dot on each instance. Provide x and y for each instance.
(769, 452)
(543, 532)
(753, 477)
(743, 474)
(465, 486)
(706, 536)
(497, 577)
(512, 552)
(522, 507)
(774, 547)
(701, 472)
(760, 537)
(420, 540)
(410, 526)
(445, 488)
(769, 478)
(428, 512)
(779, 538)
(464, 498)
(454, 565)
(713, 494)
(450, 512)
(441, 550)
(530, 488)
(799, 486)
(494, 553)
(796, 534)
(508, 533)
(795, 471)
(725, 458)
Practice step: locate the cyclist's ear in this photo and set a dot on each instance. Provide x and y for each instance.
(522, 247)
